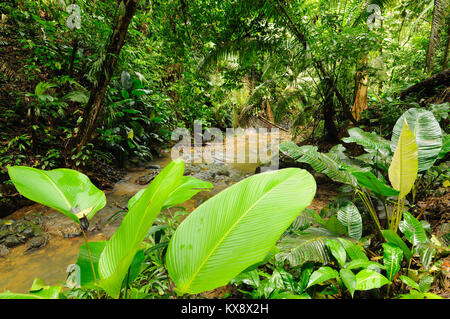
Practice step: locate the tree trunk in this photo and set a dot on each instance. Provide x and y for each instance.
(269, 111)
(440, 6)
(360, 101)
(329, 112)
(447, 47)
(94, 106)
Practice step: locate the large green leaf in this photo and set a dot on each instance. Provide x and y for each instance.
(189, 187)
(370, 181)
(348, 214)
(65, 190)
(392, 258)
(427, 132)
(236, 228)
(403, 168)
(84, 275)
(121, 249)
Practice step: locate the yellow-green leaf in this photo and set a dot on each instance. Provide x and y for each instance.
(405, 164)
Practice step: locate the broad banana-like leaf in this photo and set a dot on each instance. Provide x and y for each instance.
(236, 228)
(427, 132)
(392, 259)
(83, 273)
(188, 188)
(121, 249)
(404, 165)
(65, 190)
(348, 214)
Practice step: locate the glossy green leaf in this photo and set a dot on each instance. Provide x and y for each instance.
(408, 281)
(392, 258)
(354, 251)
(64, 190)
(321, 275)
(349, 280)
(391, 237)
(121, 249)
(236, 228)
(368, 279)
(427, 132)
(337, 250)
(39, 288)
(370, 181)
(361, 263)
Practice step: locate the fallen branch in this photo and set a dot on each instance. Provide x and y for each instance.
(271, 123)
(428, 86)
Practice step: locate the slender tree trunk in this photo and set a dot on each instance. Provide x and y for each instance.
(94, 106)
(360, 101)
(329, 112)
(438, 18)
(269, 111)
(447, 47)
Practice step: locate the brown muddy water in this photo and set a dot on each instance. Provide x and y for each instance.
(20, 267)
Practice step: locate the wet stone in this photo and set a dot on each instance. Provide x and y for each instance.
(4, 234)
(36, 242)
(3, 250)
(12, 241)
(145, 179)
(35, 218)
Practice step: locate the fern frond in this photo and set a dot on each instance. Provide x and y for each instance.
(309, 246)
(370, 141)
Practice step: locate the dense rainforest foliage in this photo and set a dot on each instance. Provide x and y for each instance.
(91, 89)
